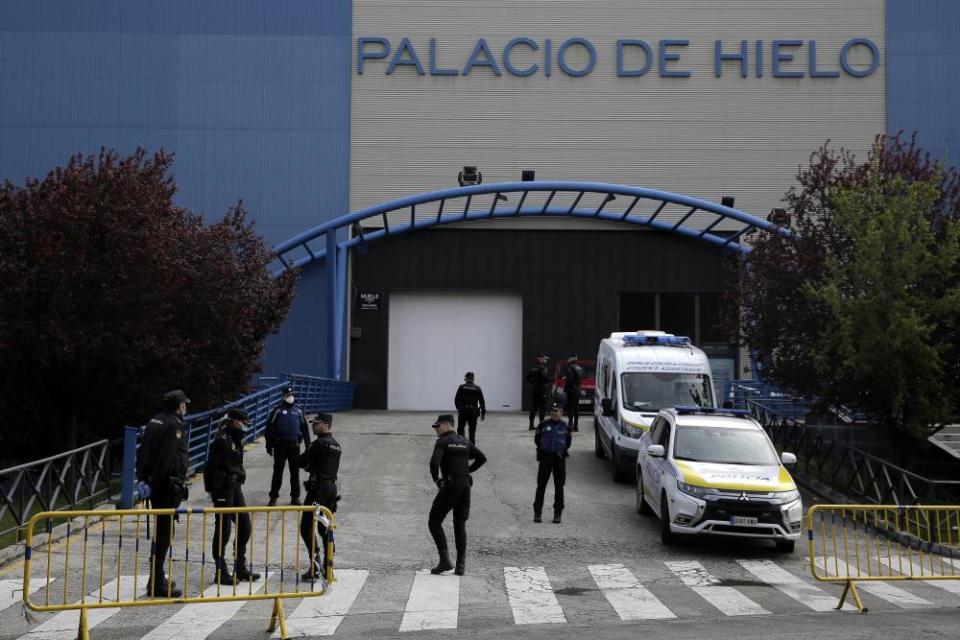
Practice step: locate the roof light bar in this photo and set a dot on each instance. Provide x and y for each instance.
(640, 340)
(684, 410)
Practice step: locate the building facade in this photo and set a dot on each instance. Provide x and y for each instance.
(310, 109)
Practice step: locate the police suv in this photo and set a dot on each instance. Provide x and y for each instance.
(715, 471)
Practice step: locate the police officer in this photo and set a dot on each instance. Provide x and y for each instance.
(470, 405)
(162, 464)
(322, 462)
(571, 387)
(539, 381)
(286, 429)
(223, 478)
(451, 466)
(553, 440)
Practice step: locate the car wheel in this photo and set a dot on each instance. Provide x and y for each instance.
(618, 474)
(642, 507)
(786, 546)
(666, 535)
(598, 446)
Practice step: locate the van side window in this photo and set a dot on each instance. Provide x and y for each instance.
(606, 379)
(613, 393)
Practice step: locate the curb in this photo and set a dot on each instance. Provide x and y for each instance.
(16, 551)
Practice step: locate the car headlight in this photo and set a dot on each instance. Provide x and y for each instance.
(696, 492)
(787, 496)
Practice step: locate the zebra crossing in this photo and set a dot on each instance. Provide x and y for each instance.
(437, 602)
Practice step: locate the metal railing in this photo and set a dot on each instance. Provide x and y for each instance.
(848, 469)
(313, 394)
(77, 478)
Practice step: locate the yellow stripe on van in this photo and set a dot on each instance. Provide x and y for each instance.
(691, 476)
(637, 425)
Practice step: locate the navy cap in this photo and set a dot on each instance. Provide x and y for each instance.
(469, 375)
(572, 356)
(557, 406)
(323, 417)
(543, 355)
(177, 395)
(443, 417)
(238, 414)
(287, 390)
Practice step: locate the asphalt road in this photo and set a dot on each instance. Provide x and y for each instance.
(555, 571)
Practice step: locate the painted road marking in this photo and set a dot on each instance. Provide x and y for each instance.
(11, 591)
(197, 621)
(806, 594)
(884, 591)
(434, 602)
(64, 625)
(727, 599)
(531, 596)
(630, 599)
(321, 615)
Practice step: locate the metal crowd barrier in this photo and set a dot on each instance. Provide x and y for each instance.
(863, 543)
(74, 572)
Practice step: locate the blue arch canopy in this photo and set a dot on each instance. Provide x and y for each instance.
(638, 206)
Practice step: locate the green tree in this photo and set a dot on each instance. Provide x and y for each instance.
(861, 305)
(111, 295)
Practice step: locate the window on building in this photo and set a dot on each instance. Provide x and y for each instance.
(637, 311)
(677, 314)
(712, 329)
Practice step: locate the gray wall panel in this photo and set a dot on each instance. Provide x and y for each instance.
(702, 135)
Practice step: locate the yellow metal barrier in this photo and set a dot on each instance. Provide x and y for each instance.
(122, 541)
(861, 543)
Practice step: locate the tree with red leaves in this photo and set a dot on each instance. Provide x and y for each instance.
(860, 306)
(111, 295)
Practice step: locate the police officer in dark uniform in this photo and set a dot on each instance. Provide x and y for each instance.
(162, 464)
(322, 462)
(539, 381)
(286, 429)
(553, 440)
(470, 405)
(451, 466)
(571, 387)
(223, 478)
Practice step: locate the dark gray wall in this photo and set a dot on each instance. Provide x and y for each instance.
(570, 282)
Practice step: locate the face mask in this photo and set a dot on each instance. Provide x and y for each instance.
(288, 399)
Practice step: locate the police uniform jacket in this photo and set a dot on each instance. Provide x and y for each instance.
(163, 452)
(553, 438)
(287, 422)
(322, 458)
(470, 396)
(537, 376)
(572, 382)
(452, 455)
(224, 469)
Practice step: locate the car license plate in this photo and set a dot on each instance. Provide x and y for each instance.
(739, 521)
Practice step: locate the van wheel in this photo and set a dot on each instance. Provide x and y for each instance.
(667, 536)
(618, 475)
(597, 445)
(786, 546)
(642, 507)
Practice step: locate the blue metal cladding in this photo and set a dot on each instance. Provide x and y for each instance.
(253, 97)
(923, 67)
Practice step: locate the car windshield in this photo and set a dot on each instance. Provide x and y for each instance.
(654, 391)
(723, 445)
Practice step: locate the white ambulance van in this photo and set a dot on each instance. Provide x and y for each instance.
(638, 374)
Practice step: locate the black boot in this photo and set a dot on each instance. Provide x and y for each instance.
(461, 564)
(537, 517)
(315, 572)
(158, 587)
(443, 565)
(556, 517)
(223, 575)
(242, 573)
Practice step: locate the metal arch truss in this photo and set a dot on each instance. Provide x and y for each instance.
(639, 207)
